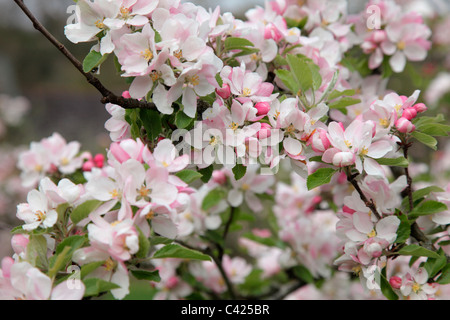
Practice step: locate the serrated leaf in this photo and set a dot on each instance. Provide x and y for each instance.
(234, 43)
(427, 207)
(320, 177)
(213, 198)
(393, 162)
(146, 275)
(417, 251)
(426, 139)
(444, 278)
(155, 240)
(188, 176)
(336, 93)
(433, 266)
(177, 251)
(421, 193)
(288, 80)
(434, 129)
(83, 210)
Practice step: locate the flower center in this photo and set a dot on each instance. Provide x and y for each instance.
(115, 193)
(246, 92)
(245, 187)
(416, 287)
(125, 12)
(147, 54)
(109, 264)
(194, 80)
(348, 143)
(99, 24)
(40, 215)
(364, 151)
(234, 126)
(178, 54)
(372, 233)
(150, 215)
(65, 161)
(401, 45)
(154, 75)
(384, 122)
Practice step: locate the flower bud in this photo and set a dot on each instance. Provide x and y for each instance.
(420, 107)
(219, 177)
(410, 113)
(404, 125)
(265, 131)
(126, 94)
(88, 165)
(224, 92)
(395, 282)
(319, 141)
(343, 159)
(263, 108)
(99, 160)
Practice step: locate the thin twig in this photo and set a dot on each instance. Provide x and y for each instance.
(107, 95)
(369, 203)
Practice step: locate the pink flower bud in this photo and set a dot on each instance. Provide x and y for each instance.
(172, 282)
(264, 132)
(420, 107)
(404, 125)
(263, 108)
(126, 94)
(19, 243)
(410, 113)
(348, 210)
(395, 282)
(262, 233)
(319, 141)
(224, 92)
(219, 177)
(88, 165)
(99, 160)
(343, 159)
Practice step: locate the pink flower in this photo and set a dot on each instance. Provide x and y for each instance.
(416, 286)
(118, 127)
(37, 212)
(404, 125)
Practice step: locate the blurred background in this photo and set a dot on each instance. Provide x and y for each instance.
(58, 99)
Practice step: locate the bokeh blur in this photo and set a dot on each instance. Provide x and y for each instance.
(40, 88)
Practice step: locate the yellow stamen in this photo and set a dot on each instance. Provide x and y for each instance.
(245, 187)
(109, 264)
(401, 45)
(384, 122)
(254, 57)
(364, 151)
(246, 92)
(194, 80)
(290, 129)
(65, 161)
(348, 143)
(125, 12)
(416, 287)
(178, 54)
(114, 193)
(154, 75)
(277, 114)
(147, 54)
(143, 191)
(372, 233)
(150, 215)
(99, 24)
(38, 168)
(357, 270)
(234, 126)
(115, 223)
(213, 141)
(40, 215)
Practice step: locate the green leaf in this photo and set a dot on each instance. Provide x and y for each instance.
(404, 229)
(426, 139)
(206, 173)
(90, 267)
(233, 43)
(188, 176)
(37, 251)
(93, 60)
(288, 80)
(336, 94)
(444, 278)
(417, 251)
(219, 80)
(434, 129)
(305, 72)
(146, 275)
(177, 251)
(182, 120)
(343, 103)
(83, 210)
(435, 265)
(151, 121)
(270, 242)
(64, 252)
(95, 286)
(144, 245)
(393, 162)
(418, 194)
(427, 207)
(239, 171)
(320, 177)
(155, 240)
(303, 273)
(386, 288)
(213, 198)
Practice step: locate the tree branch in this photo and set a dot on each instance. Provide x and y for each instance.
(369, 203)
(107, 95)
